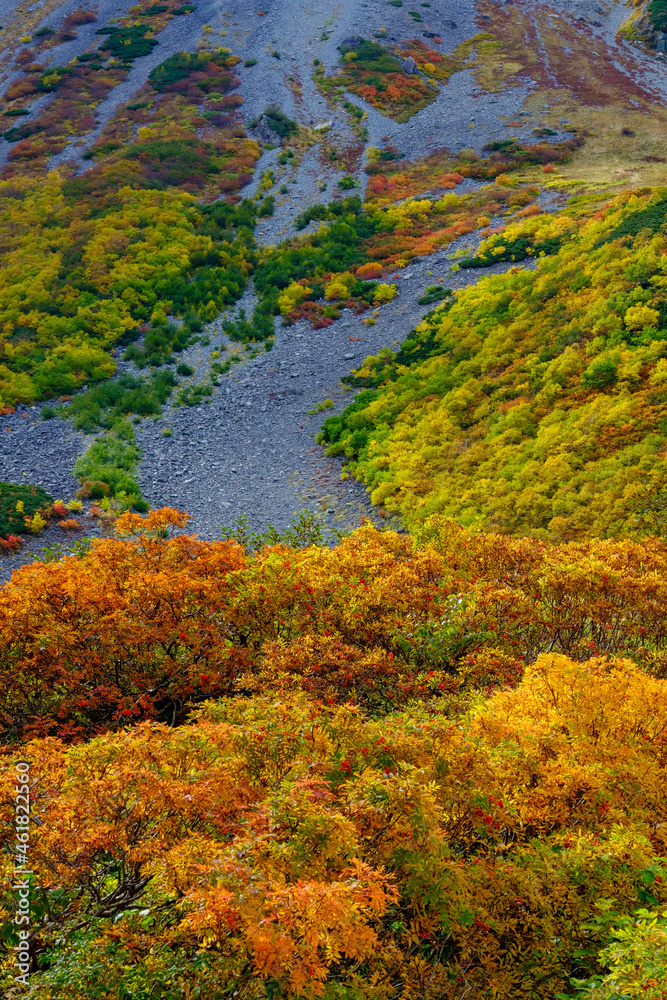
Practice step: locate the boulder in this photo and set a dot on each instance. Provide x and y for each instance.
(409, 65)
(265, 133)
(352, 40)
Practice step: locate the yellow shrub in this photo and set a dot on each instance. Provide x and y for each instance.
(448, 203)
(385, 292)
(339, 285)
(35, 524)
(292, 297)
(637, 317)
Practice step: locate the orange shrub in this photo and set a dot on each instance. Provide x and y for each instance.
(367, 271)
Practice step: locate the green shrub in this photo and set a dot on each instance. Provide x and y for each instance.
(104, 404)
(267, 207)
(513, 250)
(279, 122)
(305, 529)
(29, 500)
(316, 213)
(653, 218)
(193, 395)
(178, 67)
(159, 343)
(657, 12)
(111, 460)
(601, 374)
(21, 132)
(127, 43)
(433, 293)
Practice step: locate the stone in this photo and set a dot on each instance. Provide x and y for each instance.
(264, 131)
(409, 66)
(352, 40)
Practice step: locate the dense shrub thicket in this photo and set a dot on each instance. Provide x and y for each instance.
(657, 12)
(18, 503)
(426, 771)
(89, 265)
(364, 241)
(372, 72)
(533, 402)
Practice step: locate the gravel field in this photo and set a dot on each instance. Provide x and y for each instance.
(251, 450)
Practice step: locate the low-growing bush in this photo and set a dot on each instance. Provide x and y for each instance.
(18, 502)
(267, 206)
(111, 460)
(102, 405)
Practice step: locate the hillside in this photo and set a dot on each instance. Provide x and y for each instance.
(333, 418)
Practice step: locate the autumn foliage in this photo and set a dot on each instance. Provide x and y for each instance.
(426, 762)
(372, 72)
(532, 402)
